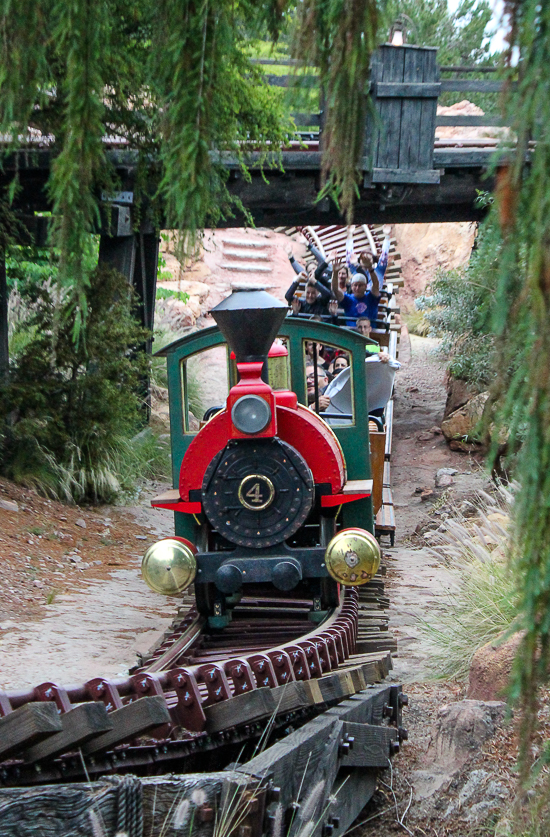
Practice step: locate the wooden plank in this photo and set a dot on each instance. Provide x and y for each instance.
(466, 121)
(387, 496)
(357, 487)
(242, 709)
(28, 725)
(447, 158)
(306, 81)
(389, 110)
(371, 745)
(79, 725)
(472, 86)
(351, 792)
(172, 496)
(292, 762)
(389, 429)
(135, 719)
(465, 69)
(386, 477)
(397, 175)
(409, 144)
(405, 90)
(377, 447)
(385, 519)
(428, 113)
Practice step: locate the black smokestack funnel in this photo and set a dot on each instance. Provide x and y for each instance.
(249, 321)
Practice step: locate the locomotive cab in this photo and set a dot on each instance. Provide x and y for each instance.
(268, 494)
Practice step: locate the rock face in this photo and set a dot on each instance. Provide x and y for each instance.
(491, 667)
(426, 247)
(458, 732)
(462, 423)
(458, 394)
(228, 257)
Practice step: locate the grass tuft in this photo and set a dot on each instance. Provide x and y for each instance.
(484, 601)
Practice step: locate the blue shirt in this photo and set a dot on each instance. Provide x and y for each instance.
(366, 306)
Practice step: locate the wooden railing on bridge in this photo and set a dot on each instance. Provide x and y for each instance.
(401, 142)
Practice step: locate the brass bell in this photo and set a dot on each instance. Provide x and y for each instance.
(353, 557)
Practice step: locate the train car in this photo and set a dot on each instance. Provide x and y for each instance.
(268, 493)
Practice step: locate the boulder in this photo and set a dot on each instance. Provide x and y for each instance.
(458, 733)
(463, 422)
(8, 505)
(491, 667)
(461, 728)
(458, 394)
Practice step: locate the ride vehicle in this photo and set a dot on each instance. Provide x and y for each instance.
(268, 495)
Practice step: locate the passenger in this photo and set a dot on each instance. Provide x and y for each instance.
(341, 272)
(339, 363)
(322, 384)
(360, 303)
(316, 297)
(379, 264)
(321, 359)
(364, 327)
(319, 272)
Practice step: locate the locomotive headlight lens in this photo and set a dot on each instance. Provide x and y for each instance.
(251, 414)
(169, 566)
(352, 557)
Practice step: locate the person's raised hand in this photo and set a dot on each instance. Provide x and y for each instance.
(296, 305)
(365, 260)
(386, 229)
(324, 402)
(289, 251)
(302, 277)
(333, 307)
(384, 357)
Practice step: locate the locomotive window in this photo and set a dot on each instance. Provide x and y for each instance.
(205, 386)
(334, 383)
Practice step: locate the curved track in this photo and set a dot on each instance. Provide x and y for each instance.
(195, 687)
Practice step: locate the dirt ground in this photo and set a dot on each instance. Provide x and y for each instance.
(73, 605)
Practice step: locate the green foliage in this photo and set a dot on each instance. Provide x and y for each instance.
(483, 601)
(165, 293)
(459, 311)
(340, 37)
(459, 35)
(523, 309)
(172, 77)
(68, 425)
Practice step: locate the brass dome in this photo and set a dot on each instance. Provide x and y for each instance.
(169, 566)
(353, 557)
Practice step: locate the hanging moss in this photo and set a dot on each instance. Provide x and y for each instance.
(522, 309)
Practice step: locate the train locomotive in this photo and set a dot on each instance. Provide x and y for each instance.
(263, 498)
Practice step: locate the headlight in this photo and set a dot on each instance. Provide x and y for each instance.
(251, 414)
(353, 557)
(169, 566)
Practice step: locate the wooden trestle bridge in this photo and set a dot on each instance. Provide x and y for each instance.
(409, 173)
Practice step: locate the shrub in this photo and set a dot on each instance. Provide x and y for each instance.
(484, 601)
(459, 310)
(71, 410)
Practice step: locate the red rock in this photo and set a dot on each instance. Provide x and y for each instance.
(491, 667)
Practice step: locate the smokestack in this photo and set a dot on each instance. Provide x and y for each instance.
(249, 321)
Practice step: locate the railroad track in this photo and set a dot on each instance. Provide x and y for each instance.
(199, 690)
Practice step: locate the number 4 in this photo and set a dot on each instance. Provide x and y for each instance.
(255, 493)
